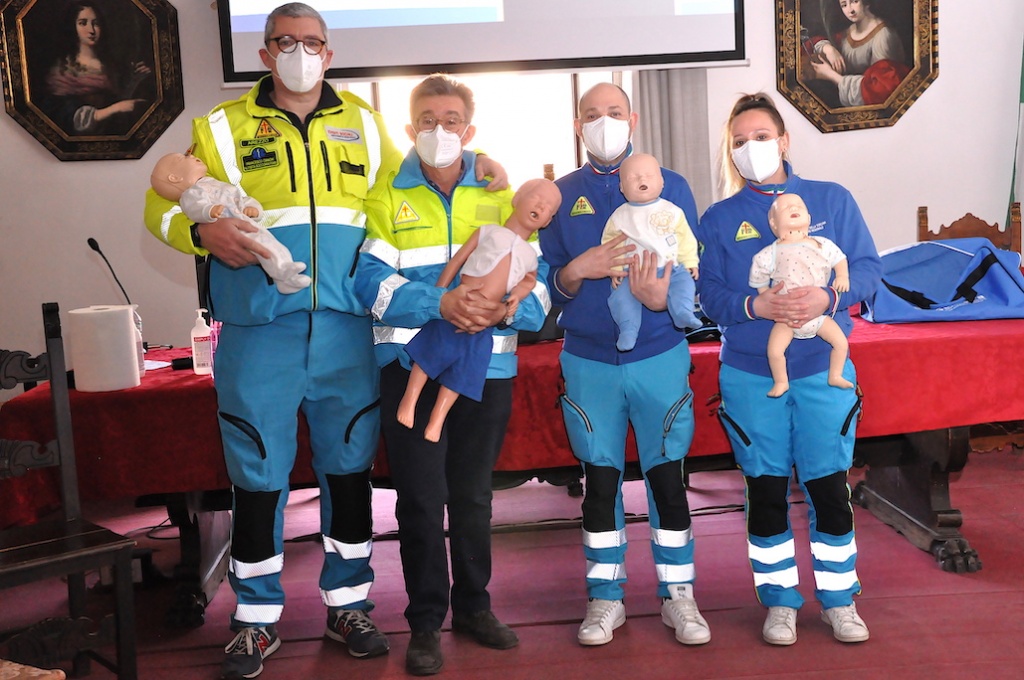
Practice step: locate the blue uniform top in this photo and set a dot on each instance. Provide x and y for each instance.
(733, 230)
(589, 196)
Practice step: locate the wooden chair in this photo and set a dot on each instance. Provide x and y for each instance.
(990, 435)
(67, 546)
(970, 226)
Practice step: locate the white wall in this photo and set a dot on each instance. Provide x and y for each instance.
(952, 151)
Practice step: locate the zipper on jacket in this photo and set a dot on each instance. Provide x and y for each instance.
(291, 165)
(327, 164)
(314, 251)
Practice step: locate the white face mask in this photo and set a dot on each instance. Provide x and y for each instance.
(606, 138)
(757, 160)
(438, 148)
(299, 71)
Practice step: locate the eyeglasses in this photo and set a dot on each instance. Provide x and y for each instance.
(287, 44)
(450, 123)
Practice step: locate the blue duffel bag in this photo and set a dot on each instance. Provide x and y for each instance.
(949, 280)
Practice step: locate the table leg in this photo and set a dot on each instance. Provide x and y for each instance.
(906, 486)
(204, 524)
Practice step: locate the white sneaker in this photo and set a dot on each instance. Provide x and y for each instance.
(603, 616)
(847, 626)
(680, 612)
(780, 626)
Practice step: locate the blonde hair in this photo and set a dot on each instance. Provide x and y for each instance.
(729, 180)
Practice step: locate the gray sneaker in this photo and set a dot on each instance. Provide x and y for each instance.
(245, 654)
(354, 628)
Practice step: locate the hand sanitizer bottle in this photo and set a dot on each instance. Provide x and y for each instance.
(202, 346)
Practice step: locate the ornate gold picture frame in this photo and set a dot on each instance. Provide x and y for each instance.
(855, 64)
(91, 79)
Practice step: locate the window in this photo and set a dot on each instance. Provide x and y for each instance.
(523, 120)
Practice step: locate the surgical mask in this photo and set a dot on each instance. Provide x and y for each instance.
(298, 70)
(757, 160)
(606, 138)
(438, 148)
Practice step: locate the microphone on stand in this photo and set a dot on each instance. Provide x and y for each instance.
(96, 246)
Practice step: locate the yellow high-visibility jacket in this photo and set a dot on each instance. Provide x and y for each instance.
(311, 183)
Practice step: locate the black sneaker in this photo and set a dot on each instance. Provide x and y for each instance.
(424, 654)
(245, 654)
(355, 628)
(486, 629)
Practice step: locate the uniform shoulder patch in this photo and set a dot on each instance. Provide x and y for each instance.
(746, 232)
(582, 207)
(406, 214)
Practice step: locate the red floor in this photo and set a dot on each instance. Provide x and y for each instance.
(925, 623)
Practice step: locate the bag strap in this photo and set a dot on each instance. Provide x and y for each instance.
(966, 289)
(912, 296)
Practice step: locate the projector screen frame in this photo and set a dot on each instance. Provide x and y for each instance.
(735, 56)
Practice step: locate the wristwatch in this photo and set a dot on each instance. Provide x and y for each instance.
(196, 240)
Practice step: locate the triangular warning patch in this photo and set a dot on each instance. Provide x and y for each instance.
(746, 232)
(406, 214)
(582, 207)
(266, 129)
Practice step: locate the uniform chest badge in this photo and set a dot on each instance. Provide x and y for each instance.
(746, 232)
(342, 134)
(259, 159)
(266, 133)
(266, 129)
(582, 207)
(406, 214)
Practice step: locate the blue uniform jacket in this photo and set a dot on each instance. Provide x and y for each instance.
(589, 196)
(732, 231)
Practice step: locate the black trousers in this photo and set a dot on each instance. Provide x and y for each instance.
(455, 471)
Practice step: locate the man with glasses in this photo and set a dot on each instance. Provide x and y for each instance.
(415, 222)
(309, 155)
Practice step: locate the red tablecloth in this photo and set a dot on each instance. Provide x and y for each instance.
(163, 436)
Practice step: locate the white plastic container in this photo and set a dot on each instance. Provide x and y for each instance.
(202, 346)
(139, 345)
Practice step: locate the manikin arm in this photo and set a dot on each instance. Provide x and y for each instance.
(842, 280)
(458, 259)
(524, 287)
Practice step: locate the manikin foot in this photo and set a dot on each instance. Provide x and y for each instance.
(406, 412)
(293, 284)
(286, 275)
(432, 432)
(627, 338)
(839, 381)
